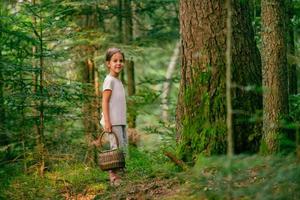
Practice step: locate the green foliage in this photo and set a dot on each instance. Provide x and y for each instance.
(63, 38)
(64, 179)
(145, 164)
(70, 178)
(289, 127)
(295, 108)
(20, 70)
(247, 177)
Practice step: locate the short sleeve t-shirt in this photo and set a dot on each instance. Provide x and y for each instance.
(117, 102)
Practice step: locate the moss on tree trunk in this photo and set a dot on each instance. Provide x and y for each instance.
(201, 110)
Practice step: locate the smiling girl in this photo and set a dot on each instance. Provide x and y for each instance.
(114, 105)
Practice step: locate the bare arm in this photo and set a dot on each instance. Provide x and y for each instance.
(105, 108)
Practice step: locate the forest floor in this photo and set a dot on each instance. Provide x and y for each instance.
(245, 177)
(152, 175)
(156, 188)
(260, 180)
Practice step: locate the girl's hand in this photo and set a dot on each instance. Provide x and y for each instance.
(108, 127)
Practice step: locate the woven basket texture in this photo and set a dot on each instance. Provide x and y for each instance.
(111, 159)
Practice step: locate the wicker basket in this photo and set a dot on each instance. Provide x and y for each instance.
(111, 159)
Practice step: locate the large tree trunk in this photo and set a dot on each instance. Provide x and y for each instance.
(201, 110)
(275, 80)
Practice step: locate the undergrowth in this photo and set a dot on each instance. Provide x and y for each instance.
(67, 180)
(151, 175)
(244, 177)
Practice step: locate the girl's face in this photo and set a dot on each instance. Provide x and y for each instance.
(115, 64)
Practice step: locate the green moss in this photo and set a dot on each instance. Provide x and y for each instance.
(263, 149)
(204, 127)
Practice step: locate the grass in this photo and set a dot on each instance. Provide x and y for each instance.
(72, 179)
(246, 177)
(153, 176)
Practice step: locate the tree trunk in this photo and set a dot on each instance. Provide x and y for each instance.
(230, 143)
(275, 80)
(292, 72)
(131, 91)
(3, 137)
(90, 109)
(23, 132)
(128, 36)
(2, 110)
(121, 31)
(168, 83)
(97, 104)
(120, 20)
(201, 110)
(91, 106)
(38, 81)
(41, 103)
(101, 19)
(298, 141)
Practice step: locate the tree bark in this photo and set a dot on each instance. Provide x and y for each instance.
(201, 109)
(131, 91)
(275, 80)
(230, 143)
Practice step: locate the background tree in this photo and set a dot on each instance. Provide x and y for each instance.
(128, 38)
(38, 81)
(166, 89)
(292, 67)
(275, 79)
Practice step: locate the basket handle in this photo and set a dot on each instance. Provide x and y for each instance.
(116, 137)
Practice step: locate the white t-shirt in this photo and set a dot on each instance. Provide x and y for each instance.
(117, 102)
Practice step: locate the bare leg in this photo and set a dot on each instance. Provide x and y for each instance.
(115, 179)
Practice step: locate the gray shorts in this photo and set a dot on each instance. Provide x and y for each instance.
(120, 131)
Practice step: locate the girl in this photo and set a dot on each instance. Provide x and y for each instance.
(114, 104)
